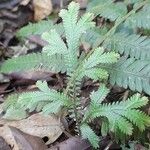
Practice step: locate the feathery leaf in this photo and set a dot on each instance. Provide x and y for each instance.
(53, 107)
(98, 96)
(107, 9)
(140, 19)
(133, 45)
(35, 61)
(38, 28)
(13, 112)
(55, 43)
(73, 31)
(99, 56)
(96, 74)
(119, 116)
(88, 133)
(130, 73)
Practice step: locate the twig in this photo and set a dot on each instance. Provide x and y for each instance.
(109, 145)
(125, 95)
(61, 4)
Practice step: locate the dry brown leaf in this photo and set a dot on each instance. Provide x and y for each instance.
(42, 8)
(36, 125)
(3, 144)
(83, 3)
(73, 143)
(25, 2)
(27, 141)
(31, 75)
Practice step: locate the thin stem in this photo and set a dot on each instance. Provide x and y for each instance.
(61, 4)
(99, 42)
(75, 108)
(109, 145)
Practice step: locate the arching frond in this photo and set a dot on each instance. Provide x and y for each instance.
(132, 1)
(12, 111)
(107, 9)
(140, 19)
(98, 96)
(39, 28)
(73, 31)
(99, 56)
(130, 45)
(96, 74)
(34, 61)
(55, 43)
(119, 114)
(130, 73)
(88, 133)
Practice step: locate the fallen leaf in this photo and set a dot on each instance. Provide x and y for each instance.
(25, 2)
(74, 143)
(42, 8)
(3, 87)
(31, 75)
(3, 144)
(26, 141)
(36, 125)
(83, 3)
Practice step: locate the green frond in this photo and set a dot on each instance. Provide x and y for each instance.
(52, 107)
(10, 101)
(140, 19)
(98, 96)
(136, 101)
(140, 119)
(73, 31)
(54, 95)
(121, 115)
(12, 112)
(55, 43)
(122, 124)
(40, 106)
(132, 1)
(31, 100)
(88, 133)
(38, 28)
(70, 17)
(107, 9)
(42, 86)
(100, 57)
(35, 61)
(85, 23)
(93, 34)
(130, 73)
(130, 45)
(96, 74)
(104, 127)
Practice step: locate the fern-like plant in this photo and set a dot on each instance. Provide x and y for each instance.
(118, 117)
(126, 41)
